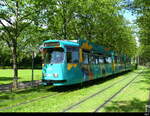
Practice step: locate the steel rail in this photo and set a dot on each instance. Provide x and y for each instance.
(29, 101)
(20, 97)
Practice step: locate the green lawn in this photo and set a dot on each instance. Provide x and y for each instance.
(132, 99)
(6, 75)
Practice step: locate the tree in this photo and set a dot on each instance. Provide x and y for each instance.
(141, 8)
(15, 17)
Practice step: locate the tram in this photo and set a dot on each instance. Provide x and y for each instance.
(77, 61)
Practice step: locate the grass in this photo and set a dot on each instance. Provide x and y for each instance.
(136, 96)
(6, 75)
(132, 99)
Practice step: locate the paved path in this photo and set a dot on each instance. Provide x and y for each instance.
(7, 87)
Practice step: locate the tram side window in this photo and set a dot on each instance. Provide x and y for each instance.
(97, 59)
(108, 60)
(86, 58)
(75, 56)
(105, 60)
(119, 59)
(93, 59)
(115, 58)
(128, 60)
(72, 55)
(101, 60)
(69, 57)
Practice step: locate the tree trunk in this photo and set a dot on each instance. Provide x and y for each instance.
(14, 50)
(32, 67)
(14, 55)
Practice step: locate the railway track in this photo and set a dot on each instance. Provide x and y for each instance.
(21, 85)
(30, 101)
(20, 97)
(101, 91)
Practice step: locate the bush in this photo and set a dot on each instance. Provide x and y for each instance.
(5, 67)
(30, 67)
(22, 67)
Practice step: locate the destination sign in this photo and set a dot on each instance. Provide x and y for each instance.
(51, 44)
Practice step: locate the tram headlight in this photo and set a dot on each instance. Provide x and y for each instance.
(47, 75)
(55, 75)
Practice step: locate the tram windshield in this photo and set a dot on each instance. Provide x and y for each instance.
(53, 55)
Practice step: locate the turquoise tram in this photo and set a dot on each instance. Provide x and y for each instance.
(77, 61)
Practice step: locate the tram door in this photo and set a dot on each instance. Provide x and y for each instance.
(108, 64)
(85, 66)
(94, 66)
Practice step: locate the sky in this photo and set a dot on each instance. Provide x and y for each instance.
(129, 16)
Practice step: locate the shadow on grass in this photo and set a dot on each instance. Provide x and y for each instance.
(33, 89)
(134, 105)
(6, 78)
(4, 97)
(145, 78)
(147, 71)
(22, 93)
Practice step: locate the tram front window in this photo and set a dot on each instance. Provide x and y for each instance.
(53, 55)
